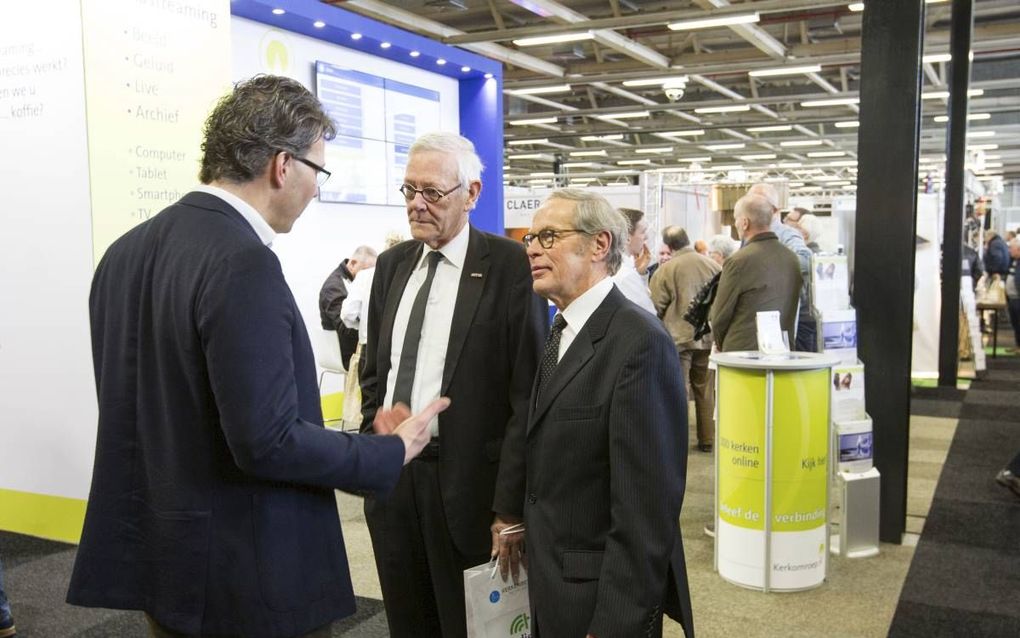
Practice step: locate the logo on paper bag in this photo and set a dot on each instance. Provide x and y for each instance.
(519, 624)
(494, 596)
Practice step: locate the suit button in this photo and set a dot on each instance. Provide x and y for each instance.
(532, 499)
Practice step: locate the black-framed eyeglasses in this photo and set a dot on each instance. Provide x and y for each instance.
(430, 194)
(548, 236)
(321, 174)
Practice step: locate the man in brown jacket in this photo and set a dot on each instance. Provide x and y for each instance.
(763, 275)
(678, 281)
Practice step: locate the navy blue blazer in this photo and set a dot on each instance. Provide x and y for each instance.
(607, 468)
(212, 504)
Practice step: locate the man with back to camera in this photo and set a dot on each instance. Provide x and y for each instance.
(606, 440)
(212, 507)
(631, 277)
(678, 282)
(806, 336)
(451, 313)
(761, 276)
(333, 294)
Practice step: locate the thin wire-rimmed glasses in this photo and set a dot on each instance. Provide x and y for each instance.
(430, 194)
(321, 174)
(548, 236)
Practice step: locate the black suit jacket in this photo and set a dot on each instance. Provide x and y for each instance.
(607, 463)
(496, 338)
(212, 506)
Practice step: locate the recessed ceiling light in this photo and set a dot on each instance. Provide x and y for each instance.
(440, 61)
(785, 70)
(708, 23)
(554, 39)
(414, 54)
(384, 45)
(534, 120)
(318, 24)
(465, 69)
(355, 36)
(488, 76)
(769, 129)
(802, 143)
(735, 108)
(278, 12)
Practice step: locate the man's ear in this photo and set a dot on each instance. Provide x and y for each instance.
(278, 168)
(603, 243)
(474, 190)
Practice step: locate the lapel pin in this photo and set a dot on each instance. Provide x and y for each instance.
(476, 274)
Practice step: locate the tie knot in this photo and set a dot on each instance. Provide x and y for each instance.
(434, 258)
(559, 323)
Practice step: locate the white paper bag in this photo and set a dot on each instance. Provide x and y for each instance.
(496, 609)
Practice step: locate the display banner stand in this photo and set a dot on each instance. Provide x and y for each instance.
(773, 442)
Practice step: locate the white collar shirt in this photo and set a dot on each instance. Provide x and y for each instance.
(580, 310)
(255, 220)
(435, 331)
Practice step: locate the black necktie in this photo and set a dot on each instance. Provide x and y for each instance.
(550, 357)
(409, 353)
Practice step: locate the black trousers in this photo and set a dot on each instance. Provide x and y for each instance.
(420, 570)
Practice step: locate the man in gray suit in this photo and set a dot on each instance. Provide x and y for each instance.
(606, 450)
(761, 276)
(678, 282)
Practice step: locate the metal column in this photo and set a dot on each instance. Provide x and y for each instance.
(884, 250)
(956, 155)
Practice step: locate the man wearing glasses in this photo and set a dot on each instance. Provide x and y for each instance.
(212, 507)
(451, 314)
(606, 440)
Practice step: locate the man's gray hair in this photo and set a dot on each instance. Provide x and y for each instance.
(768, 191)
(259, 118)
(469, 165)
(756, 209)
(675, 237)
(721, 244)
(594, 214)
(362, 253)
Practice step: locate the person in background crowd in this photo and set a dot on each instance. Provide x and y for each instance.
(996, 258)
(1013, 291)
(700, 247)
(1009, 476)
(7, 628)
(793, 217)
(351, 312)
(720, 247)
(793, 240)
(212, 507)
(630, 278)
(451, 313)
(332, 295)
(811, 228)
(761, 276)
(678, 282)
(606, 441)
(662, 255)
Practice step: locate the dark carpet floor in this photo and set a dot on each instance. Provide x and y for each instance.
(964, 579)
(36, 574)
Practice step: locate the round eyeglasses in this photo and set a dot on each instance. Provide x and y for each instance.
(430, 194)
(548, 236)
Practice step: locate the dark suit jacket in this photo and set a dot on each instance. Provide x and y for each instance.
(498, 329)
(212, 506)
(331, 299)
(607, 463)
(763, 275)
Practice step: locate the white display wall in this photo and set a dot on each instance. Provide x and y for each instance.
(328, 232)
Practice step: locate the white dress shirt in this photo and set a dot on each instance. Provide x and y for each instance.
(435, 332)
(258, 223)
(354, 307)
(633, 285)
(580, 310)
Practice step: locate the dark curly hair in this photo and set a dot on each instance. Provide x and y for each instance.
(260, 117)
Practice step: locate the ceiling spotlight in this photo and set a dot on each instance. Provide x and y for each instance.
(708, 23)
(318, 24)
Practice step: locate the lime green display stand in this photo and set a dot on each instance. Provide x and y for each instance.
(772, 469)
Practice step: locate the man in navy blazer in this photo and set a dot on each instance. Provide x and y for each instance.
(606, 441)
(212, 506)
